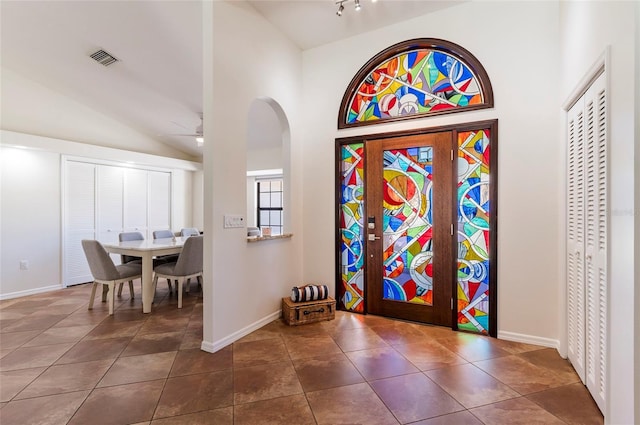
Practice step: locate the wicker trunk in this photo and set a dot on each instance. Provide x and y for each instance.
(308, 311)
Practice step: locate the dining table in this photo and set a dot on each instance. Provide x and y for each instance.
(147, 249)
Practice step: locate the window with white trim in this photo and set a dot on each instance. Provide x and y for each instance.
(269, 210)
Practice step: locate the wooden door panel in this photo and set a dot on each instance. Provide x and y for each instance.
(410, 251)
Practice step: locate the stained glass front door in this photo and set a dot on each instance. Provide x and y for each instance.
(409, 217)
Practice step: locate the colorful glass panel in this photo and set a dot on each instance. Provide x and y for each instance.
(351, 227)
(407, 225)
(473, 231)
(414, 82)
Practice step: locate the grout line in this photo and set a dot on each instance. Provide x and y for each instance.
(165, 301)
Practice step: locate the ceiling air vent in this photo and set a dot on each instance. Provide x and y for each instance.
(103, 57)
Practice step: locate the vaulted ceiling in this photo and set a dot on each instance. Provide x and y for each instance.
(156, 86)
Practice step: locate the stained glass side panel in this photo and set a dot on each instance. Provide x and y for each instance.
(351, 227)
(473, 231)
(415, 82)
(407, 225)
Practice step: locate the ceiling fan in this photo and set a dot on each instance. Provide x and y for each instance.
(197, 132)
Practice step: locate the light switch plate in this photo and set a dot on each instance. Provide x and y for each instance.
(233, 221)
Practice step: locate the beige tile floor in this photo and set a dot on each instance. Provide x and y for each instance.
(63, 364)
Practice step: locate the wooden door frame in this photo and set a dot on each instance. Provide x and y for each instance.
(492, 125)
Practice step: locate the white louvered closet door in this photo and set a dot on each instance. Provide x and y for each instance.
(587, 273)
(575, 238)
(596, 238)
(110, 204)
(159, 201)
(135, 201)
(80, 220)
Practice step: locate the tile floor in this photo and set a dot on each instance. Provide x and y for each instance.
(63, 364)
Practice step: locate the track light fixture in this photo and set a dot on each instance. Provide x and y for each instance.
(341, 3)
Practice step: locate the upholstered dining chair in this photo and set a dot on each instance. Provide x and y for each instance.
(129, 259)
(189, 265)
(189, 231)
(171, 258)
(107, 273)
(162, 234)
(130, 236)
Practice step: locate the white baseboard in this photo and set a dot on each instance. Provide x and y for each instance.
(212, 347)
(529, 339)
(19, 294)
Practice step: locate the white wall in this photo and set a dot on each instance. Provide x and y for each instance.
(264, 127)
(506, 38)
(251, 201)
(264, 159)
(32, 108)
(30, 209)
(30, 215)
(197, 212)
(636, 261)
(587, 29)
(244, 282)
(264, 137)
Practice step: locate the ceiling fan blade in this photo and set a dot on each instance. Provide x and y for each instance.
(180, 135)
(179, 125)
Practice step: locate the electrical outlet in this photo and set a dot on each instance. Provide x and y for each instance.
(233, 221)
(24, 265)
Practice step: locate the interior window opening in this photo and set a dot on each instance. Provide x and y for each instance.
(267, 169)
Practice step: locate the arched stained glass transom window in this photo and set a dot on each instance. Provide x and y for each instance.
(413, 79)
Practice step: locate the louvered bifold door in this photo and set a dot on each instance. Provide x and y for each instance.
(79, 220)
(596, 239)
(587, 279)
(159, 201)
(575, 239)
(109, 207)
(135, 202)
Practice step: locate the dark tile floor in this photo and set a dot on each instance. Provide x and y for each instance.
(63, 364)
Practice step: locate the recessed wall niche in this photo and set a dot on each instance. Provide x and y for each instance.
(267, 166)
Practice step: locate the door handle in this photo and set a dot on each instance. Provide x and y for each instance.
(373, 237)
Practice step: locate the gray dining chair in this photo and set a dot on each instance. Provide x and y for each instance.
(163, 259)
(162, 234)
(129, 259)
(189, 265)
(189, 231)
(130, 236)
(107, 273)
